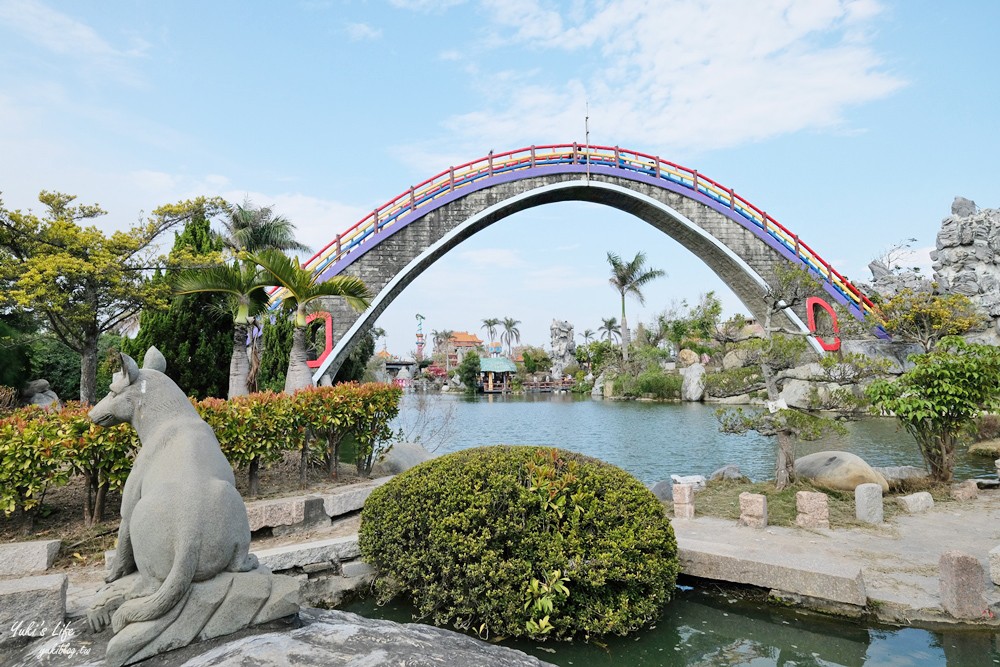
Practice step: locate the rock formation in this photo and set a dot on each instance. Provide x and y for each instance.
(967, 257)
(563, 347)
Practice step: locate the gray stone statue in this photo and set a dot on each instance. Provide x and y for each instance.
(563, 347)
(183, 522)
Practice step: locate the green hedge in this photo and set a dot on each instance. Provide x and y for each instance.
(519, 541)
(42, 449)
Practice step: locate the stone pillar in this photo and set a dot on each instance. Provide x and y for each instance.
(961, 585)
(868, 503)
(683, 501)
(753, 510)
(814, 509)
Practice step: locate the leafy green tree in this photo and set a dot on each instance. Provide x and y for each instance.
(535, 360)
(81, 281)
(941, 396)
(15, 353)
(511, 334)
(302, 290)
(628, 278)
(354, 367)
(468, 372)
(925, 318)
(275, 345)
(195, 331)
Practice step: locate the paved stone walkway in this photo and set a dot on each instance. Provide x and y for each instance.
(899, 560)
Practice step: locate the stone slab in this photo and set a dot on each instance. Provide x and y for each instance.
(818, 577)
(20, 558)
(961, 585)
(32, 606)
(916, 502)
(278, 512)
(351, 499)
(296, 555)
(356, 568)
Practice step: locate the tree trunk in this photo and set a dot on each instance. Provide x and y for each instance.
(625, 336)
(299, 374)
(88, 503)
(239, 364)
(88, 370)
(99, 501)
(253, 477)
(784, 465)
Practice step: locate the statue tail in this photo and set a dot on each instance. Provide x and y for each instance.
(170, 592)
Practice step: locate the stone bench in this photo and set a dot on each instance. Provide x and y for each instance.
(20, 558)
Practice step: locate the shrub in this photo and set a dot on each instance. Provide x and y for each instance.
(522, 541)
(659, 383)
(733, 382)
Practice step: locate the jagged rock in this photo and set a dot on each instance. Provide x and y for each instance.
(896, 353)
(563, 347)
(663, 490)
(598, 389)
(734, 359)
(838, 470)
(963, 207)
(809, 371)
(693, 386)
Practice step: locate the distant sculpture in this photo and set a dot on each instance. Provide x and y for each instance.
(563, 347)
(183, 521)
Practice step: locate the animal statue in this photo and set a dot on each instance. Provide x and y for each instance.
(182, 518)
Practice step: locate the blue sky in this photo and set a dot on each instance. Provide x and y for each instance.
(852, 122)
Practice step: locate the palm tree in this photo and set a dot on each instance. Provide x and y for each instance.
(510, 333)
(250, 229)
(629, 278)
(587, 335)
(610, 328)
(244, 283)
(302, 291)
(490, 324)
(441, 340)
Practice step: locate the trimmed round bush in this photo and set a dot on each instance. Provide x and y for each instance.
(519, 541)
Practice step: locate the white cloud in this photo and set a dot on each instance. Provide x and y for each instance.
(362, 32)
(63, 35)
(679, 75)
(558, 279)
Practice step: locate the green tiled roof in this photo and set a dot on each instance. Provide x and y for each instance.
(497, 365)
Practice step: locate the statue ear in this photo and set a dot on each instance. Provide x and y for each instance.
(129, 368)
(154, 360)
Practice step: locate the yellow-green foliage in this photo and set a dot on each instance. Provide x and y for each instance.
(521, 541)
(733, 382)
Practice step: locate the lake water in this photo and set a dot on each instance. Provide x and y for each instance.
(650, 440)
(704, 625)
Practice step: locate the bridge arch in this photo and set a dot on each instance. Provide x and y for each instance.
(394, 244)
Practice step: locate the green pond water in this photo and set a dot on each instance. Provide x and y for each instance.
(705, 624)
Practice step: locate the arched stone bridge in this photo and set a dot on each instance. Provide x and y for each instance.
(395, 243)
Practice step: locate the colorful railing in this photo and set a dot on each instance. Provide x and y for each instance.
(423, 195)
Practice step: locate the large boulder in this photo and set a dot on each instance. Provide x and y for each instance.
(693, 386)
(840, 471)
(400, 458)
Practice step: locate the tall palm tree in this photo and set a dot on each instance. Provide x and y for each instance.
(587, 335)
(510, 333)
(491, 324)
(441, 342)
(610, 329)
(244, 283)
(629, 278)
(302, 291)
(252, 229)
